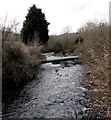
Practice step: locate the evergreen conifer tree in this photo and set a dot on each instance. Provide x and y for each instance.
(35, 27)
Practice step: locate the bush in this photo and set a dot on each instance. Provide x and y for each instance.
(8, 31)
(78, 40)
(19, 66)
(14, 52)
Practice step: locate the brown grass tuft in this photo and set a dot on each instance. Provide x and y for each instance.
(19, 64)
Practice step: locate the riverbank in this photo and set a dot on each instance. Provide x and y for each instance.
(19, 65)
(96, 58)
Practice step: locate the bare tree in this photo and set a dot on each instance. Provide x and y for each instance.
(67, 29)
(6, 28)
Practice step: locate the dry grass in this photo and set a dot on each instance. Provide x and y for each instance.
(19, 61)
(19, 64)
(61, 43)
(96, 52)
(96, 56)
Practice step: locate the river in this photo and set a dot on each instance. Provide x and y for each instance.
(55, 93)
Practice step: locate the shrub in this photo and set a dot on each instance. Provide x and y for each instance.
(19, 66)
(78, 40)
(61, 43)
(14, 52)
(7, 32)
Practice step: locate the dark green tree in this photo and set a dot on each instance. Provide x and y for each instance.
(35, 27)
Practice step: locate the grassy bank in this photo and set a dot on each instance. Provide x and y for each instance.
(19, 64)
(95, 49)
(92, 41)
(62, 44)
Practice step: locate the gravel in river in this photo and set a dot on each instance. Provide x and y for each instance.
(57, 95)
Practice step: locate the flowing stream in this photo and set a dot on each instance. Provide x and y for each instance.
(55, 93)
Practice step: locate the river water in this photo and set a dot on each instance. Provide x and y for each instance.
(55, 93)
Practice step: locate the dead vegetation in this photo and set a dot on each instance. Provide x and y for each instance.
(19, 61)
(95, 51)
(19, 64)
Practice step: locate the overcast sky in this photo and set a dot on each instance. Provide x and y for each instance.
(60, 13)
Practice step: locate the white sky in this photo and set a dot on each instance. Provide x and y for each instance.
(60, 13)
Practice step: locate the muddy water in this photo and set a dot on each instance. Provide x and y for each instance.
(55, 93)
